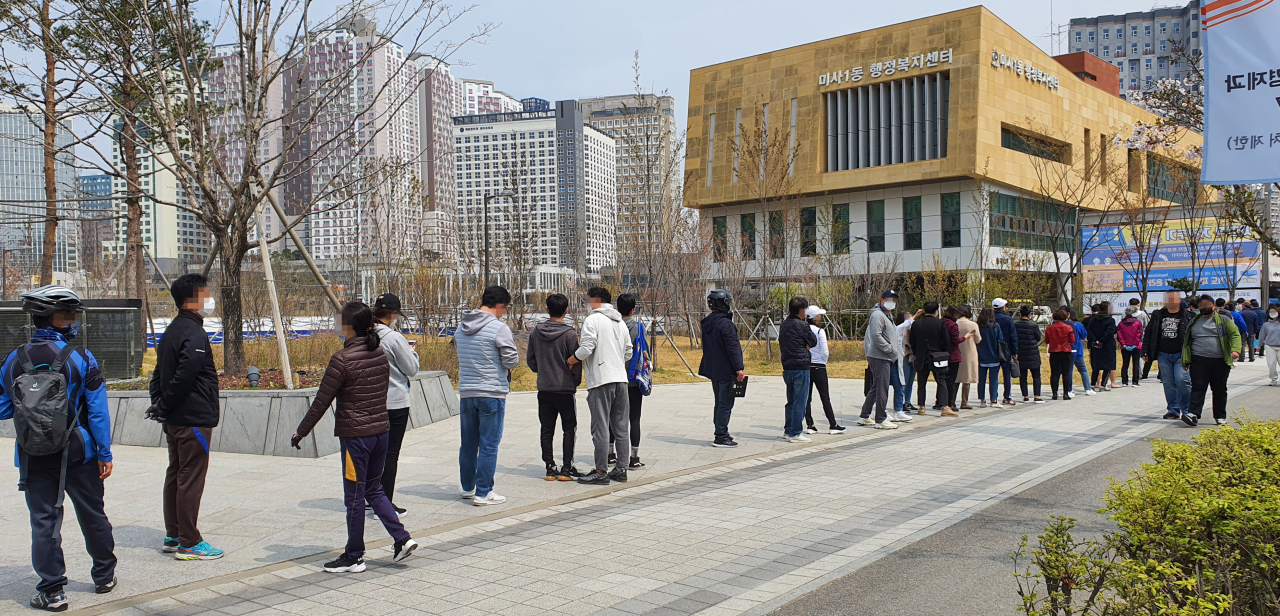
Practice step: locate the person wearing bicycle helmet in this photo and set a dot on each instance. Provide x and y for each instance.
(721, 362)
(86, 455)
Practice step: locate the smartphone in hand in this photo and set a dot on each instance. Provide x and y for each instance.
(413, 343)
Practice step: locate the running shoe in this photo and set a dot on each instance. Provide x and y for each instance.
(199, 551)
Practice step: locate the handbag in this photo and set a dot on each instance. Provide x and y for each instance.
(1005, 355)
(939, 359)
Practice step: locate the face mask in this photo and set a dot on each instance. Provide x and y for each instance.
(69, 332)
(890, 305)
(1274, 314)
(1206, 311)
(208, 307)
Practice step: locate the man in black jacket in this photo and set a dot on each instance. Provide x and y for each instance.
(930, 342)
(184, 397)
(721, 361)
(795, 338)
(1162, 343)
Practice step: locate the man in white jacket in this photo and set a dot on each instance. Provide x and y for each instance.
(604, 348)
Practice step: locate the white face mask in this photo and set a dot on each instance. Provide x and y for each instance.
(1274, 314)
(890, 305)
(209, 306)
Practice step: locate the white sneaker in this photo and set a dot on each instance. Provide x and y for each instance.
(492, 498)
(1221, 422)
(866, 421)
(1090, 392)
(886, 425)
(799, 438)
(810, 430)
(902, 417)
(982, 404)
(467, 494)
(1274, 383)
(1124, 384)
(1137, 384)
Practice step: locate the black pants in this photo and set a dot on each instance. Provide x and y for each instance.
(1060, 369)
(1209, 373)
(1247, 341)
(1106, 377)
(953, 375)
(1023, 369)
(818, 379)
(84, 490)
(1146, 366)
(634, 399)
(1133, 357)
(184, 482)
(942, 396)
(552, 404)
(399, 423)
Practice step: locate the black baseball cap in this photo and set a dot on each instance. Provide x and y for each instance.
(888, 294)
(387, 301)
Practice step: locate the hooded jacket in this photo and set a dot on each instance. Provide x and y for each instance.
(185, 382)
(357, 378)
(604, 347)
(721, 350)
(486, 354)
(1130, 331)
(550, 345)
(404, 364)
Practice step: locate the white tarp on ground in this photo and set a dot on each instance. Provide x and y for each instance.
(1242, 92)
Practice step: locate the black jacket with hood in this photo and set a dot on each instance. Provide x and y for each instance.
(185, 382)
(721, 351)
(550, 345)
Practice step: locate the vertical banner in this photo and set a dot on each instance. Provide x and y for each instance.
(1241, 91)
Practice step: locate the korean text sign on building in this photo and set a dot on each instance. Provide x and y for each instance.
(1242, 91)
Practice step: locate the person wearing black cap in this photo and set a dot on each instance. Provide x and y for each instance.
(404, 364)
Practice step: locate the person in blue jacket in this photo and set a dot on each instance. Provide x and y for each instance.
(1010, 334)
(1247, 336)
(1077, 350)
(53, 309)
(1236, 318)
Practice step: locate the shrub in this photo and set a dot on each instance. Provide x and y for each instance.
(1196, 533)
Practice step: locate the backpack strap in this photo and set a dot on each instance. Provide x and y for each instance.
(25, 360)
(63, 355)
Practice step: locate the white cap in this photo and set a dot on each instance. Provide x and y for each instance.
(998, 302)
(813, 311)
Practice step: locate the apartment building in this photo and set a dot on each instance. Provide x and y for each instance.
(481, 97)
(22, 194)
(1140, 44)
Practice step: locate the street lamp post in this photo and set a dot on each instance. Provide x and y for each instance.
(506, 192)
(867, 244)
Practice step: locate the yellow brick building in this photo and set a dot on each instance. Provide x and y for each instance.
(915, 140)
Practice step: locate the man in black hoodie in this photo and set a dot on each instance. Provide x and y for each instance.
(550, 343)
(721, 361)
(184, 397)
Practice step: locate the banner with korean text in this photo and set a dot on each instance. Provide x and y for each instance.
(1242, 91)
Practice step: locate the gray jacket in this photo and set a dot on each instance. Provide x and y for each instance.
(486, 355)
(550, 345)
(882, 340)
(404, 364)
(1269, 334)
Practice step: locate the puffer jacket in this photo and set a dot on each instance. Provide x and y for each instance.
(1029, 338)
(357, 377)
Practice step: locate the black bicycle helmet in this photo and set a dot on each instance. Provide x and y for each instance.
(49, 299)
(718, 299)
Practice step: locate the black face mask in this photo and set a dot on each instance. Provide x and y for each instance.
(1206, 311)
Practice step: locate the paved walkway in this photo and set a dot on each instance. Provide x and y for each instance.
(702, 530)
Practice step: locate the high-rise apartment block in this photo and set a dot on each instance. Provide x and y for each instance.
(440, 98)
(480, 97)
(22, 193)
(562, 172)
(1141, 44)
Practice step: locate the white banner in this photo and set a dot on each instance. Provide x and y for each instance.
(1242, 91)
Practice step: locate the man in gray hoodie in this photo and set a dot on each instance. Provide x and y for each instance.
(486, 355)
(550, 345)
(603, 349)
(884, 354)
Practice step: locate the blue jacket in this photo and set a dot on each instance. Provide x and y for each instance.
(1241, 324)
(989, 348)
(85, 389)
(1081, 334)
(1250, 321)
(1007, 329)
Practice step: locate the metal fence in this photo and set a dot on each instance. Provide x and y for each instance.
(111, 329)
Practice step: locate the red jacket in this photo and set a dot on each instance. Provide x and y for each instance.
(1060, 337)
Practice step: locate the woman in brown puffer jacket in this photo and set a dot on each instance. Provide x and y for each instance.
(357, 378)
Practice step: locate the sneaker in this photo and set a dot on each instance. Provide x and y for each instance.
(1026, 399)
(50, 602)
(725, 442)
(170, 545)
(492, 498)
(467, 494)
(886, 425)
(799, 438)
(1124, 384)
(618, 474)
(1137, 384)
(635, 462)
(1106, 388)
(403, 550)
(1171, 416)
(1038, 401)
(909, 407)
(1275, 383)
(1008, 402)
(613, 459)
(949, 412)
(596, 478)
(568, 473)
(866, 421)
(345, 564)
(1190, 420)
(982, 404)
(199, 551)
(838, 429)
(1220, 422)
(811, 430)
(1090, 392)
(920, 410)
(103, 589)
(552, 472)
(902, 417)
(996, 405)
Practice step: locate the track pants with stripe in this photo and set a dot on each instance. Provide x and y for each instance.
(184, 481)
(363, 458)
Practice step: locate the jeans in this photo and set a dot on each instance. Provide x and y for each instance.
(723, 410)
(1060, 370)
(85, 491)
(1246, 340)
(1006, 370)
(878, 391)
(1206, 373)
(1084, 372)
(902, 389)
(992, 374)
(1176, 382)
(818, 376)
(797, 382)
(481, 423)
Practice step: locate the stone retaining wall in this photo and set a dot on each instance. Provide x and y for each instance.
(261, 421)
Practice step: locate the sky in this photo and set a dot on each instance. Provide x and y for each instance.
(567, 49)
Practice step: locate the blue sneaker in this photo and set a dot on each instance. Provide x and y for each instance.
(200, 551)
(171, 545)
(55, 601)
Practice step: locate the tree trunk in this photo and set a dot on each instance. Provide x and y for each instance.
(50, 244)
(233, 360)
(134, 269)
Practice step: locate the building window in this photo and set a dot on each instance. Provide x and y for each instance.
(1106, 34)
(748, 236)
(860, 134)
(950, 220)
(1170, 181)
(720, 232)
(875, 226)
(1029, 224)
(912, 223)
(1106, 51)
(840, 229)
(1034, 146)
(777, 233)
(808, 231)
